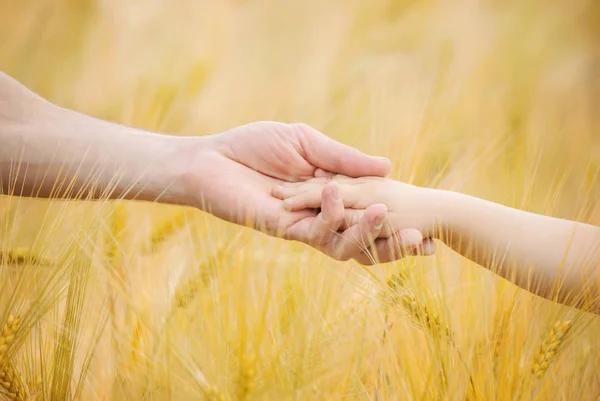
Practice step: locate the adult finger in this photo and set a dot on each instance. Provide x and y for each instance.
(352, 242)
(311, 199)
(320, 230)
(281, 192)
(327, 154)
(408, 242)
(353, 216)
(320, 173)
(327, 223)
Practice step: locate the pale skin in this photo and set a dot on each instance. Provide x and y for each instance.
(47, 151)
(551, 257)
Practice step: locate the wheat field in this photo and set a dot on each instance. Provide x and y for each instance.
(137, 301)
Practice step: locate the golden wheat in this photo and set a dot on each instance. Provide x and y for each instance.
(247, 375)
(496, 100)
(12, 382)
(8, 335)
(187, 289)
(399, 295)
(550, 347)
(213, 394)
(9, 378)
(161, 233)
(21, 256)
(118, 223)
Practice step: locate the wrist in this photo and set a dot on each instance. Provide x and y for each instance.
(181, 156)
(425, 209)
(141, 165)
(448, 210)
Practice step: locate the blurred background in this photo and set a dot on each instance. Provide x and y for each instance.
(498, 99)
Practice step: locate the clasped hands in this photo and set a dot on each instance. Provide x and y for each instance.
(237, 174)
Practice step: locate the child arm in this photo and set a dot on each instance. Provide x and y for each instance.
(545, 255)
(554, 258)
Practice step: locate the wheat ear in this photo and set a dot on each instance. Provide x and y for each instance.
(8, 335)
(9, 379)
(19, 256)
(186, 291)
(550, 347)
(247, 376)
(397, 294)
(165, 230)
(213, 394)
(12, 383)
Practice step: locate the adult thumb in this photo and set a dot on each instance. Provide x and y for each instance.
(325, 153)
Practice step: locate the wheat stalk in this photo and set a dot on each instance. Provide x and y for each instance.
(397, 294)
(117, 228)
(550, 347)
(118, 222)
(136, 340)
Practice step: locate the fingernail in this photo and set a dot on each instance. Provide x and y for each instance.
(335, 193)
(385, 159)
(378, 222)
(287, 204)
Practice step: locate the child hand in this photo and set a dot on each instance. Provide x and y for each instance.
(346, 233)
(406, 205)
(409, 206)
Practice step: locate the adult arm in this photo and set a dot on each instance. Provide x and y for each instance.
(47, 151)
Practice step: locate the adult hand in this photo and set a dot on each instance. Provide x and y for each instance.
(234, 172)
(51, 152)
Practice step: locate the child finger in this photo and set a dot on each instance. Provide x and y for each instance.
(281, 192)
(306, 200)
(311, 198)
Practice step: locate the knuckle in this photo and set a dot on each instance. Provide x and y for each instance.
(302, 128)
(273, 223)
(338, 254)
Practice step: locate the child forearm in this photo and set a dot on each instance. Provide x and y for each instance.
(48, 151)
(547, 256)
(554, 258)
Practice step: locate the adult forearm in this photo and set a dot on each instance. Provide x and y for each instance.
(548, 256)
(48, 151)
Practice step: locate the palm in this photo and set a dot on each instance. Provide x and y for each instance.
(244, 197)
